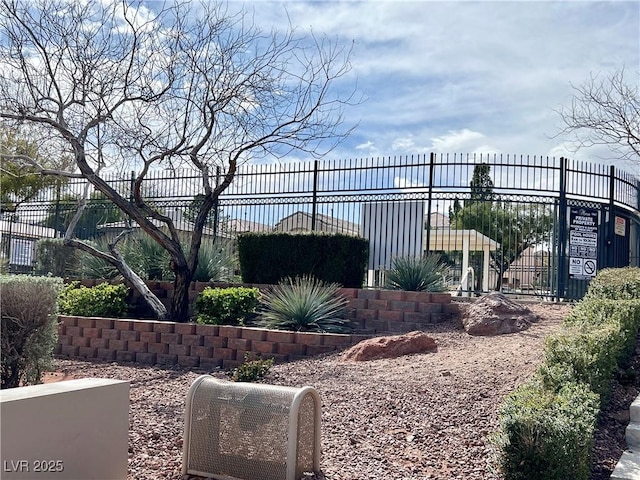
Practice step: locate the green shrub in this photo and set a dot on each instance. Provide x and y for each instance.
(332, 258)
(94, 267)
(592, 355)
(251, 370)
(546, 434)
(104, 300)
(146, 257)
(141, 253)
(226, 306)
(598, 336)
(417, 274)
(305, 304)
(28, 307)
(547, 426)
(216, 262)
(624, 314)
(615, 284)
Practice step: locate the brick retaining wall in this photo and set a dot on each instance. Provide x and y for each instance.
(373, 312)
(382, 311)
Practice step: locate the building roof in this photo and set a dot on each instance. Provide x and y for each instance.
(324, 223)
(180, 225)
(25, 230)
(439, 220)
(237, 225)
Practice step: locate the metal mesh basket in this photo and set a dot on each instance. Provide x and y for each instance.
(250, 431)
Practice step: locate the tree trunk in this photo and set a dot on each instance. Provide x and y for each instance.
(180, 299)
(152, 300)
(138, 284)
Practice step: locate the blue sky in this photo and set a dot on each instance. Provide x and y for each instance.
(464, 77)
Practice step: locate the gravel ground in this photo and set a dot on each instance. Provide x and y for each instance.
(416, 417)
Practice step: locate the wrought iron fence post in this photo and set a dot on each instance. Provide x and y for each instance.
(314, 197)
(56, 215)
(562, 231)
(132, 185)
(432, 160)
(610, 253)
(215, 208)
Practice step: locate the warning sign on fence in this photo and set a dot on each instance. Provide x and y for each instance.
(583, 243)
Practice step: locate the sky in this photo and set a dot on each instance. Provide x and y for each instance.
(467, 77)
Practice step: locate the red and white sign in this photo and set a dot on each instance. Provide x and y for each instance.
(620, 226)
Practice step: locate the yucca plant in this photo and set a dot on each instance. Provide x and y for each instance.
(215, 262)
(94, 267)
(140, 252)
(146, 257)
(305, 304)
(417, 274)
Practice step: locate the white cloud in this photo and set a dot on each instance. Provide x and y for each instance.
(451, 76)
(457, 141)
(439, 73)
(404, 144)
(368, 146)
(405, 183)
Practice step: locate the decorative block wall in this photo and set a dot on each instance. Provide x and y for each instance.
(381, 311)
(373, 312)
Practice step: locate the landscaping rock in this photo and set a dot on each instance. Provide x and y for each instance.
(391, 347)
(495, 314)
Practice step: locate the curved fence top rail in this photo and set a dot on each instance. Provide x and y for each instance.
(540, 176)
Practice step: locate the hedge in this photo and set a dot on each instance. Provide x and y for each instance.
(271, 257)
(226, 306)
(547, 434)
(547, 425)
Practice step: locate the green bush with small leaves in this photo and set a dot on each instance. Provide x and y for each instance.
(103, 300)
(547, 434)
(54, 258)
(28, 307)
(251, 370)
(547, 426)
(623, 315)
(591, 355)
(226, 306)
(269, 258)
(615, 284)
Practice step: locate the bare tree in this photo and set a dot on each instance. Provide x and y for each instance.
(186, 86)
(606, 111)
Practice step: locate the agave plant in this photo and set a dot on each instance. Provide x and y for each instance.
(417, 274)
(305, 304)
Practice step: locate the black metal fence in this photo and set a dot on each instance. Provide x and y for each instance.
(525, 224)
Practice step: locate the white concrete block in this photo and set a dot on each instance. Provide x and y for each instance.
(632, 436)
(628, 468)
(75, 429)
(634, 410)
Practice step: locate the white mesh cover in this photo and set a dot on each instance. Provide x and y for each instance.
(250, 431)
